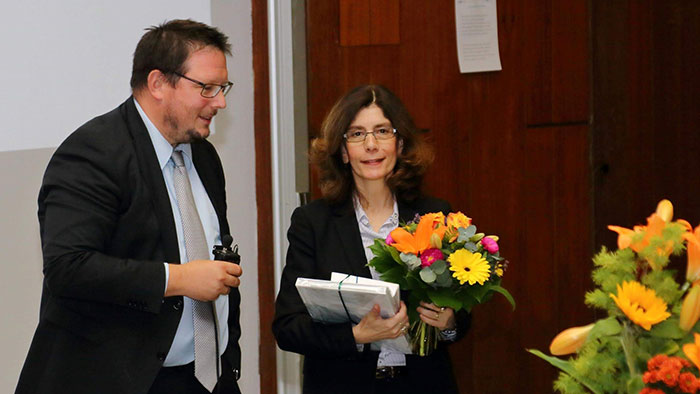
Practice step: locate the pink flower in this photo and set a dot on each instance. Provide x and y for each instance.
(429, 256)
(389, 240)
(490, 245)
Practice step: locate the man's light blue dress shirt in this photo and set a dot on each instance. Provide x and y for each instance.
(182, 350)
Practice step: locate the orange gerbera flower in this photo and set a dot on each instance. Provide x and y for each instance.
(419, 241)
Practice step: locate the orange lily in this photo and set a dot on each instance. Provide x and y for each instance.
(419, 241)
(690, 311)
(693, 272)
(692, 350)
(654, 227)
(570, 340)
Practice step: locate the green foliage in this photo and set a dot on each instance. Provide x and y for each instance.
(613, 357)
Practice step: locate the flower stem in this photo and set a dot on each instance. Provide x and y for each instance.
(627, 341)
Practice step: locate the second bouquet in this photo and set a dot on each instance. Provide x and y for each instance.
(442, 260)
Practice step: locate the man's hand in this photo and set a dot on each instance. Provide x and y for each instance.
(203, 280)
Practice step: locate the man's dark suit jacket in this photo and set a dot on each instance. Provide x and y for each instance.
(107, 228)
(325, 238)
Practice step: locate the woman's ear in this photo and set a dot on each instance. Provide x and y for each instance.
(400, 148)
(344, 153)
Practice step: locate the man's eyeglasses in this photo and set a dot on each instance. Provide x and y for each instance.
(359, 135)
(208, 90)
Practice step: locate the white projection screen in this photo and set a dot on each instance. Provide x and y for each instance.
(64, 62)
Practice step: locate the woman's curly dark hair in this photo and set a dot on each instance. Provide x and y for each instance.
(413, 159)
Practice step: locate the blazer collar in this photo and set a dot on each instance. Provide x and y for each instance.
(348, 231)
(210, 172)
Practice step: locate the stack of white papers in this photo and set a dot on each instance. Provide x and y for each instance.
(323, 301)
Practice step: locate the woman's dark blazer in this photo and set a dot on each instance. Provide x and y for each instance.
(324, 238)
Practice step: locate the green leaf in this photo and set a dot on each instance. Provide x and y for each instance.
(444, 297)
(411, 260)
(604, 328)
(667, 329)
(568, 368)
(427, 275)
(470, 246)
(414, 283)
(467, 300)
(635, 384)
(505, 293)
(395, 275)
(477, 291)
(466, 233)
(378, 247)
(438, 267)
(444, 279)
(394, 254)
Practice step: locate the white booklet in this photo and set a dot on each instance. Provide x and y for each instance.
(348, 297)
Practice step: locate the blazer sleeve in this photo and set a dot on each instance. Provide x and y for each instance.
(82, 200)
(293, 327)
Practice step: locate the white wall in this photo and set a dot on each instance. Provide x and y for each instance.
(52, 48)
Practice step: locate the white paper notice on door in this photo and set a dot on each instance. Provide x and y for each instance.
(477, 35)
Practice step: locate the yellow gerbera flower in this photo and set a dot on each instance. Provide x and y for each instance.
(640, 304)
(469, 267)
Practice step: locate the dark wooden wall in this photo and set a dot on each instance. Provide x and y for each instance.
(646, 100)
(512, 152)
(592, 120)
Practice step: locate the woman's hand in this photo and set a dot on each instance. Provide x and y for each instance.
(373, 327)
(442, 318)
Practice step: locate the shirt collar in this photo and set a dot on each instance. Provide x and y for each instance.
(364, 219)
(162, 147)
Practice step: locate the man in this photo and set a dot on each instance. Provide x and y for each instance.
(125, 199)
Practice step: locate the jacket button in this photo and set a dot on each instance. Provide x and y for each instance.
(177, 305)
(161, 356)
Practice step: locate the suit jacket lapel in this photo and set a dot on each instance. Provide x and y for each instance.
(348, 231)
(153, 178)
(205, 163)
(406, 212)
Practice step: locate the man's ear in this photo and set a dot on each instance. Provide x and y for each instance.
(156, 83)
(344, 153)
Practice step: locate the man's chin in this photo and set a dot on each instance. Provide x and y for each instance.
(194, 135)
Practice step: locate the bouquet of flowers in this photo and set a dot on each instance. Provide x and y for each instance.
(442, 260)
(649, 340)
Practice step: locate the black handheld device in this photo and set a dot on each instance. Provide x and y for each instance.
(224, 252)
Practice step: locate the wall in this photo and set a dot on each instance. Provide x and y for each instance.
(21, 170)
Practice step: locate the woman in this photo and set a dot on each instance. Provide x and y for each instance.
(371, 162)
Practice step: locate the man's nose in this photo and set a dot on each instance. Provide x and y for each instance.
(219, 101)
